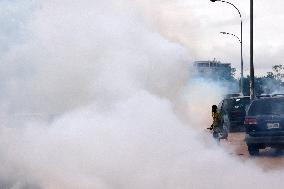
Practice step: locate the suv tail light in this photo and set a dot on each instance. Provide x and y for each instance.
(250, 121)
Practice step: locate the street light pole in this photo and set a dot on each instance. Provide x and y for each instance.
(242, 61)
(252, 87)
(226, 33)
(241, 41)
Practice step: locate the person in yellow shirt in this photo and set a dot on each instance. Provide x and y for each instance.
(216, 125)
(216, 118)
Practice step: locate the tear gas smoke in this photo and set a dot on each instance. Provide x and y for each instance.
(199, 100)
(114, 89)
(272, 87)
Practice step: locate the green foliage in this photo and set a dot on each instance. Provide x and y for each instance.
(278, 72)
(271, 83)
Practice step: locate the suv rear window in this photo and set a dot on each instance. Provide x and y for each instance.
(266, 107)
(240, 103)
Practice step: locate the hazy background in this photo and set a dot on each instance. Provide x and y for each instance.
(97, 95)
(196, 25)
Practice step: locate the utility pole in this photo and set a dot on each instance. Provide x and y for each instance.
(241, 42)
(252, 86)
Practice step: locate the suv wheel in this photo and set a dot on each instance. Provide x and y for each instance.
(253, 149)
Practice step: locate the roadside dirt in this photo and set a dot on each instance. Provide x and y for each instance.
(268, 159)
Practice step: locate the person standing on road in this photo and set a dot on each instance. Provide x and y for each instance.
(216, 125)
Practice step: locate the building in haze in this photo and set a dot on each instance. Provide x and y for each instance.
(215, 70)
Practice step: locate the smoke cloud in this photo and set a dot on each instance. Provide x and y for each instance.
(91, 97)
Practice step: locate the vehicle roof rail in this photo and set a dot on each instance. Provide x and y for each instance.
(279, 94)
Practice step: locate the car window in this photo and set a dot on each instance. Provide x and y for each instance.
(220, 105)
(241, 104)
(268, 106)
(227, 105)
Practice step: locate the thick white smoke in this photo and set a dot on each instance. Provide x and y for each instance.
(93, 98)
(80, 52)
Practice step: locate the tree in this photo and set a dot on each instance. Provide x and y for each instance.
(259, 85)
(273, 82)
(277, 72)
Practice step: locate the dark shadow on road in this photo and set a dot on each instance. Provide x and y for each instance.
(270, 152)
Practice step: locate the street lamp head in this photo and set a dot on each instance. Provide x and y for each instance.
(223, 32)
(213, 0)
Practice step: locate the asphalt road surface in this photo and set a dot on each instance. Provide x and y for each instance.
(268, 159)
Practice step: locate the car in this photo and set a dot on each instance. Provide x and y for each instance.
(278, 94)
(264, 96)
(233, 111)
(264, 124)
(232, 95)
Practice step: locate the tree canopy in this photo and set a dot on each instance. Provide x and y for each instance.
(273, 82)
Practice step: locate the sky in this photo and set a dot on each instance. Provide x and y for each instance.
(196, 25)
(95, 94)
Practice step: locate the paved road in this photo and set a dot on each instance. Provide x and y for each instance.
(269, 159)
